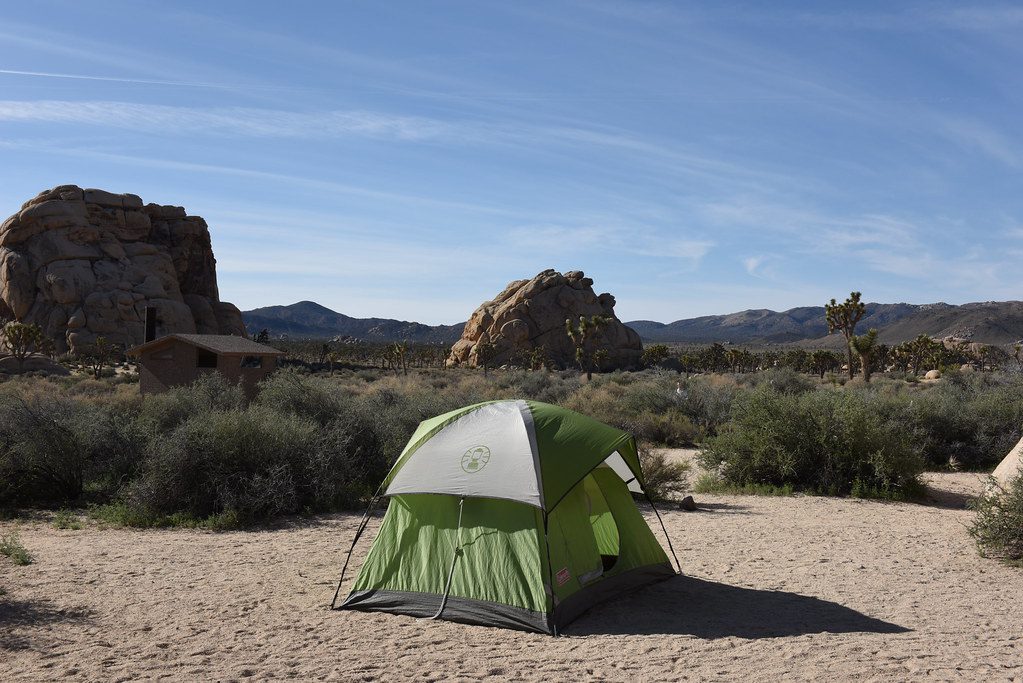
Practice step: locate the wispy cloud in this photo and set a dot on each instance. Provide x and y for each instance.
(978, 136)
(238, 121)
(760, 265)
(912, 249)
(315, 184)
(660, 161)
(612, 233)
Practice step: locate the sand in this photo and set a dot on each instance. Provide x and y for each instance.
(798, 588)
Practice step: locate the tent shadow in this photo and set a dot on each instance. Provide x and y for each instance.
(949, 500)
(685, 605)
(726, 508)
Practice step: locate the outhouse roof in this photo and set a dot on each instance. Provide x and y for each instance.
(222, 344)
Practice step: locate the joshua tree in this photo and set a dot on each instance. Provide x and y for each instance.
(582, 335)
(485, 352)
(689, 363)
(797, 359)
(600, 358)
(843, 317)
(263, 336)
(397, 356)
(98, 356)
(912, 354)
(821, 361)
(21, 339)
(866, 346)
(332, 358)
(655, 353)
(537, 359)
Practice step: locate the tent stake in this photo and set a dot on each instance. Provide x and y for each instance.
(454, 559)
(665, 530)
(362, 527)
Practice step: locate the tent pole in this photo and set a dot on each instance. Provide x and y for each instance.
(665, 530)
(454, 559)
(550, 576)
(362, 527)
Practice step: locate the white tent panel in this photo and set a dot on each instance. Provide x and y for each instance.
(616, 462)
(488, 453)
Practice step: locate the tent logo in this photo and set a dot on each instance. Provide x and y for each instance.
(475, 459)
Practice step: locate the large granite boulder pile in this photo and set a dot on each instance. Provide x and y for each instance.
(531, 313)
(84, 264)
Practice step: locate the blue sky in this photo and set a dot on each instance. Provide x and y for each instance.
(409, 159)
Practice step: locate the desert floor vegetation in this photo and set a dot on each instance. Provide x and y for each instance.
(773, 589)
(998, 525)
(322, 441)
(12, 548)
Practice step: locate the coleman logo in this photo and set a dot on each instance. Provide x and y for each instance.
(563, 576)
(475, 459)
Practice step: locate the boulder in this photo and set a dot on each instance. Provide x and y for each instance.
(86, 263)
(33, 363)
(531, 313)
(933, 374)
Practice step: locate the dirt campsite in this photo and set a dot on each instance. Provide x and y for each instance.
(798, 587)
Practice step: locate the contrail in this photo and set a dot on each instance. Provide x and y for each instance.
(80, 77)
(144, 81)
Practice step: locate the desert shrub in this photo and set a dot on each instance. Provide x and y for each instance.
(829, 442)
(163, 412)
(665, 478)
(784, 380)
(240, 466)
(248, 463)
(10, 546)
(548, 387)
(66, 519)
(43, 453)
(971, 420)
(644, 404)
(998, 525)
(707, 401)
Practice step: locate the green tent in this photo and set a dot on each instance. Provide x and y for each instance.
(509, 513)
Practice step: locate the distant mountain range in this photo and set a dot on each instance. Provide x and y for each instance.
(992, 322)
(309, 320)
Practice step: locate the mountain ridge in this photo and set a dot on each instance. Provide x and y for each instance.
(991, 322)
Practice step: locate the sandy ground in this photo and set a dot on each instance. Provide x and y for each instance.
(775, 588)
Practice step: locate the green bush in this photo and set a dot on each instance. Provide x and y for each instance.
(66, 519)
(998, 525)
(644, 404)
(974, 420)
(10, 546)
(784, 380)
(665, 479)
(707, 401)
(251, 465)
(828, 442)
(211, 392)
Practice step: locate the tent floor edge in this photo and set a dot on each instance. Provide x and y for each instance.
(580, 602)
(462, 610)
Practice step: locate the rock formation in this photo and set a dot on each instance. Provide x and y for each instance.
(531, 313)
(84, 264)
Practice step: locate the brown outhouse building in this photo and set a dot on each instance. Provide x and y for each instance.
(179, 359)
